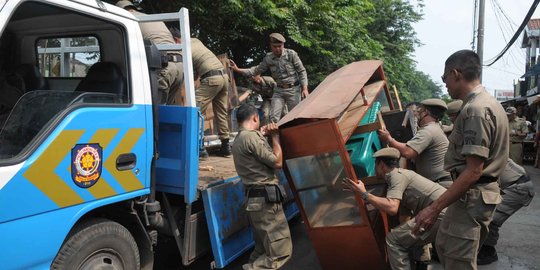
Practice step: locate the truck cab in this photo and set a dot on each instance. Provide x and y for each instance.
(94, 172)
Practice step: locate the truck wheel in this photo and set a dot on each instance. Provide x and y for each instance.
(98, 244)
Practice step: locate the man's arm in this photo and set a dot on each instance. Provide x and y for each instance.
(249, 72)
(403, 148)
(473, 171)
(274, 158)
(387, 205)
(244, 95)
(302, 74)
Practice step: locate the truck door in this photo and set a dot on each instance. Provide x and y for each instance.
(73, 145)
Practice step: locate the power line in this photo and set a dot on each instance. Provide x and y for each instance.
(499, 13)
(518, 32)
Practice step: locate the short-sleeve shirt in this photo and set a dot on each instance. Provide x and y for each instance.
(204, 60)
(253, 158)
(157, 32)
(481, 129)
(413, 190)
(518, 125)
(265, 88)
(285, 69)
(431, 144)
(512, 172)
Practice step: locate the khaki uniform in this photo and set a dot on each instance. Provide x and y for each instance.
(289, 74)
(516, 142)
(171, 77)
(214, 85)
(431, 144)
(517, 190)
(415, 193)
(254, 161)
(481, 129)
(266, 90)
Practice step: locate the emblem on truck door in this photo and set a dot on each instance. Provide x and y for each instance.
(86, 164)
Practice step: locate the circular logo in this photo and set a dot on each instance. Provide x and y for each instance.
(87, 163)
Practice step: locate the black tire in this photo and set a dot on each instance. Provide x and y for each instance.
(98, 244)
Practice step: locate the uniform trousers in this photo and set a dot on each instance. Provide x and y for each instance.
(215, 89)
(465, 226)
(514, 197)
(400, 240)
(282, 97)
(170, 79)
(273, 246)
(516, 152)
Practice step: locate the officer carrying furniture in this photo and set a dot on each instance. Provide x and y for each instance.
(287, 70)
(255, 162)
(264, 86)
(170, 78)
(407, 191)
(429, 144)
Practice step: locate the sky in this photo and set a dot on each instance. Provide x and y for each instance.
(447, 27)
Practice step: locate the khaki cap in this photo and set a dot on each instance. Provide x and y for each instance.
(511, 110)
(434, 102)
(388, 152)
(277, 38)
(125, 4)
(454, 106)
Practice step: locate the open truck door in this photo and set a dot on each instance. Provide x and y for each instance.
(329, 136)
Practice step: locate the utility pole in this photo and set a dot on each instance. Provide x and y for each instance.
(480, 44)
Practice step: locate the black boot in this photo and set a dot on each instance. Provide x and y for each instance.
(203, 154)
(486, 255)
(225, 148)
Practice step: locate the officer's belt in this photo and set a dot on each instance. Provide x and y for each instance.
(288, 85)
(256, 192)
(444, 179)
(515, 142)
(521, 180)
(484, 179)
(213, 72)
(174, 58)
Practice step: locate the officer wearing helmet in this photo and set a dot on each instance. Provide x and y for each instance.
(428, 146)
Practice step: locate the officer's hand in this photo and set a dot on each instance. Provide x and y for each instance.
(270, 129)
(233, 65)
(425, 220)
(305, 93)
(353, 185)
(384, 135)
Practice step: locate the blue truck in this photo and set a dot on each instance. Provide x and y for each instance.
(94, 173)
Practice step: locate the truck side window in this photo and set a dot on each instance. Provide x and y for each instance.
(67, 57)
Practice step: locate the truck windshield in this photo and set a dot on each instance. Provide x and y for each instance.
(35, 111)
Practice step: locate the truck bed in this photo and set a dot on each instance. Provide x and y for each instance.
(215, 169)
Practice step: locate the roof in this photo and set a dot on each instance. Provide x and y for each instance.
(531, 30)
(333, 95)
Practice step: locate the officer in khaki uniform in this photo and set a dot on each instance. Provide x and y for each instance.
(213, 88)
(255, 162)
(476, 157)
(264, 86)
(407, 191)
(429, 144)
(517, 191)
(518, 131)
(453, 110)
(170, 78)
(287, 70)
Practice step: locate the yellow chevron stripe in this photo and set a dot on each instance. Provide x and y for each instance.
(126, 179)
(102, 189)
(41, 173)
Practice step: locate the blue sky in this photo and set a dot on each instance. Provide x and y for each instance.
(448, 27)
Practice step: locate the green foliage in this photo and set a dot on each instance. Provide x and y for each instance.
(327, 34)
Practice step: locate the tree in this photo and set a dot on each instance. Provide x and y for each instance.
(326, 34)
